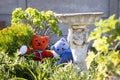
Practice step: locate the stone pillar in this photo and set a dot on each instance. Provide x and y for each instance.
(77, 38)
(78, 34)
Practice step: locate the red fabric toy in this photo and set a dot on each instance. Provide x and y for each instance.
(39, 44)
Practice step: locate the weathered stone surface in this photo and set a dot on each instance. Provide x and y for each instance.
(78, 33)
(60, 6)
(114, 7)
(71, 6)
(7, 6)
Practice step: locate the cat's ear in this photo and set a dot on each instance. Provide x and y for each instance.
(34, 36)
(47, 38)
(52, 47)
(63, 39)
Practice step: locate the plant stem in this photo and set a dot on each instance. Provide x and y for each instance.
(45, 29)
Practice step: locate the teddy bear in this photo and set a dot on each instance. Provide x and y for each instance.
(62, 48)
(38, 48)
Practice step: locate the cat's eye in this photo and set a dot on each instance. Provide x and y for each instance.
(36, 40)
(63, 44)
(57, 49)
(43, 41)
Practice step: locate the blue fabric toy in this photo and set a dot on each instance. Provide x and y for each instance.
(62, 48)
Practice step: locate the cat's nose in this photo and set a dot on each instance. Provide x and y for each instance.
(39, 44)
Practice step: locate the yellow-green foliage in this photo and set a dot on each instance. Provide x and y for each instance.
(106, 40)
(42, 21)
(20, 68)
(13, 37)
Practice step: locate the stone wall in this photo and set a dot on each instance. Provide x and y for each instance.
(109, 7)
(60, 6)
(71, 6)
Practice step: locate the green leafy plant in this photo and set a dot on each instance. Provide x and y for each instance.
(13, 37)
(106, 38)
(20, 68)
(42, 21)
